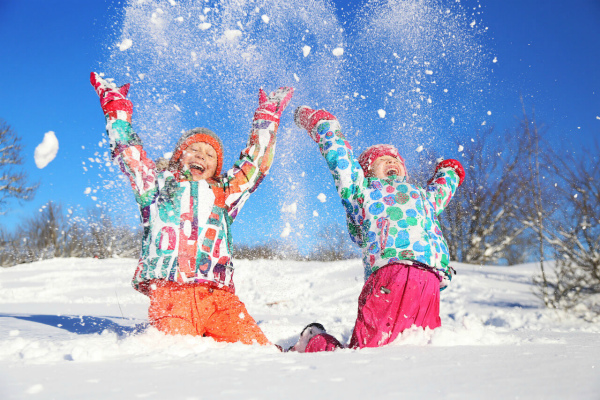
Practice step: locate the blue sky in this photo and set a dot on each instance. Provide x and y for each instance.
(547, 51)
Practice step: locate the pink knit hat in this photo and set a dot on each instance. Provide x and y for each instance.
(371, 154)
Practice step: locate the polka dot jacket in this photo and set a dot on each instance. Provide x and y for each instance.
(390, 219)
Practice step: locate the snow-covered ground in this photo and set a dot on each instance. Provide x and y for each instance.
(75, 329)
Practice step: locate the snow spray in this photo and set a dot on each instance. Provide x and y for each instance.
(405, 72)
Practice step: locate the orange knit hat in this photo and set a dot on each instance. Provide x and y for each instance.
(199, 135)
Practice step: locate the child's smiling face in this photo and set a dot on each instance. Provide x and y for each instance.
(385, 166)
(200, 159)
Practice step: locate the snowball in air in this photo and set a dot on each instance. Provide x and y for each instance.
(419, 149)
(460, 148)
(125, 44)
(204, 26)
(292, 208)
(322, 198)
(265, 19)
(381, 113)
(287, 230)
(232, 34)
(306, 50)
(338, 51)
(46, 151)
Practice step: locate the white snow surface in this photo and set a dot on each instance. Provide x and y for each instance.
(74, 328)
(46, 151)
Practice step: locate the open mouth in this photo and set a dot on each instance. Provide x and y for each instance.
(392, 171)
(197, 167)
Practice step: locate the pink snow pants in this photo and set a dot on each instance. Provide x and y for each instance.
(394, 298)
(323, 342)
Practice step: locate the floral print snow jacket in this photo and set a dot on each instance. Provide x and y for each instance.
(390, 219)
(187, 236)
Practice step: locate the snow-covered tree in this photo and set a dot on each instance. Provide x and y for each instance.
(480, 223)
(575, 234)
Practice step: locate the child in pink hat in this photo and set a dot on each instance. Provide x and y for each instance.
(394, 221)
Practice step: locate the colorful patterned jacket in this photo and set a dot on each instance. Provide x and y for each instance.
(390, 219)
(187, 235)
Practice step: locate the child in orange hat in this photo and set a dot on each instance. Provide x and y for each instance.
(187, 209)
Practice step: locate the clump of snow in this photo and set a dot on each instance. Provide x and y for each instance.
(338, 51)
(125, 44)
(419, 149)
(204, 25)
(290, 208)
(306, 51)
(46, 151)
(232, 34)
(286, 230)
(315, 213)
(265, 19)
(381, 113)
(322, 197)
(495, 60)
(460, 148)
(296, 78)
(87, 190)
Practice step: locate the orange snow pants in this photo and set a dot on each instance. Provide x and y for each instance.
(201, 310)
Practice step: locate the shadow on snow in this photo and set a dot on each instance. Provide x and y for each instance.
(82, 325)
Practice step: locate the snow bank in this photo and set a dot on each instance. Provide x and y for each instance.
(74, 328)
